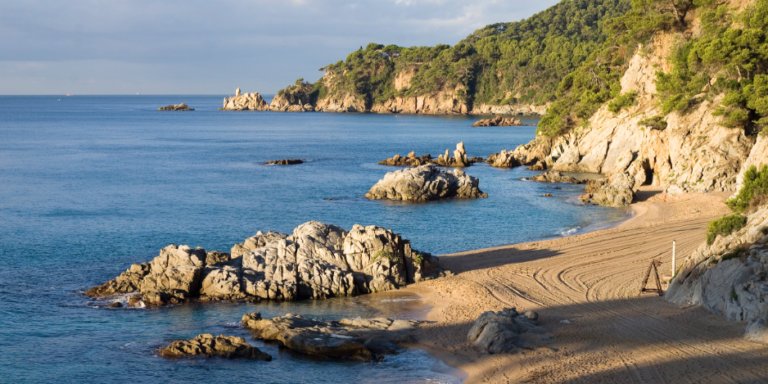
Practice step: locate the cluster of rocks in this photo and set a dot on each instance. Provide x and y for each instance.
(284, 162)
(426, 183)
(730, 277)
(346, 339)
(250, 101)
(617, 190)
(458, 160)
(316, 261)
(503, 159)
(207, 345)
(176, 107)
(506, 331)
(294, 98)
(557, 177)
(498, 121)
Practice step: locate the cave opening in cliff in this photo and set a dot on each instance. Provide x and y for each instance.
(648, 172)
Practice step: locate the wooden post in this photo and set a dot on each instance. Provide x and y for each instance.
(674, 258)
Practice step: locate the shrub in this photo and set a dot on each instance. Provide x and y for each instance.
(725, 226)
(622, 101)
(753, 192)
(655, 122)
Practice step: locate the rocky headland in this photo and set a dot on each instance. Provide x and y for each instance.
(316, 261)
(425, 183)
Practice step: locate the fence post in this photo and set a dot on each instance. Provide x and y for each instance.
(674, 257)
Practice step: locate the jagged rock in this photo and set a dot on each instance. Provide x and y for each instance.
(298, 97)
(615, 191)
(425, 183)
(410, 160)
(459, 159)
(505, 332)
(503, 159)
(498, 121)
(557, 177)
(176, 107)
(284, 162)
(316, 261)
(347, 339)
(207, 345)
(730, 276)
(245, 102)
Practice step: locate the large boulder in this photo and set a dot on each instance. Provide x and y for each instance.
(207, 345)
(316, 261)
(425, 183)
(615, 191)
(347, 339)
(505, 332)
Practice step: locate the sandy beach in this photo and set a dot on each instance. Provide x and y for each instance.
(586, 289)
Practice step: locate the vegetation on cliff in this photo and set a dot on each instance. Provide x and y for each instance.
(753, 194)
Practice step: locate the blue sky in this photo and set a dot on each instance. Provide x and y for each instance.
(211, 47)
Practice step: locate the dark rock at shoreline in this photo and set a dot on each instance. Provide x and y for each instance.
(425, 183)
(498, 121)
(346, 339)
(285, 162)
(316, 261)
(506, 331)
(207, 345)
(176, 107)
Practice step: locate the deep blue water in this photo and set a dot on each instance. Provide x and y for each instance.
(89, 185)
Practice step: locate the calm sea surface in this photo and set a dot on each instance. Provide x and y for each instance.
(89, 185)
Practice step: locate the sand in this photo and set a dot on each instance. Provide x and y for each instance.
(586, 289)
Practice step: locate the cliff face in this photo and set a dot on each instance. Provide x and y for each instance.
(679, 152)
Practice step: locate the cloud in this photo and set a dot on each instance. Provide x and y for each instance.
(214, 46)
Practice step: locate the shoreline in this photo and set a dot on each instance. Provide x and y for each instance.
(585, 288)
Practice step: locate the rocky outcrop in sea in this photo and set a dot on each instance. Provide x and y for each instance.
(498, 121)
(176, 107)
(245, 102)
(207, 345)
(347, 339)
(426, 183)
(458, 160)
(316, 261)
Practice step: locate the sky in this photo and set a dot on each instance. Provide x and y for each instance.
(212, 47)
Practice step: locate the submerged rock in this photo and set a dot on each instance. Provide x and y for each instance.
(505, 331)
(284, 162)
(316, 261)
(346, 339)
(207, 345)
(426, 183)
(176, 107)
(557, 177)
(498, 121)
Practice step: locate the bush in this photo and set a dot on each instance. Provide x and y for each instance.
(622, 101)
(725, 226)
(753, 192)
(655, 122)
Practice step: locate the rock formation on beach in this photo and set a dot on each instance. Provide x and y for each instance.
(346, 339)
(207, 345)
(498, 121)
(316, 261)
(284, 162)
(506, 331)
(176, 107)
(458, 160)
(425, 183)
(245, 102)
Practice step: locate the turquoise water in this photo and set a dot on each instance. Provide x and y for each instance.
(89, 185)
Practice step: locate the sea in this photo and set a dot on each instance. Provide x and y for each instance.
(91, 184)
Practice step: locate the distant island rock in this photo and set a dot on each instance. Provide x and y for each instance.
(426, 183)
(176, 107)
(207, 345)
(498, 121)
(316, 261)
(284, 162)
(245, 102)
